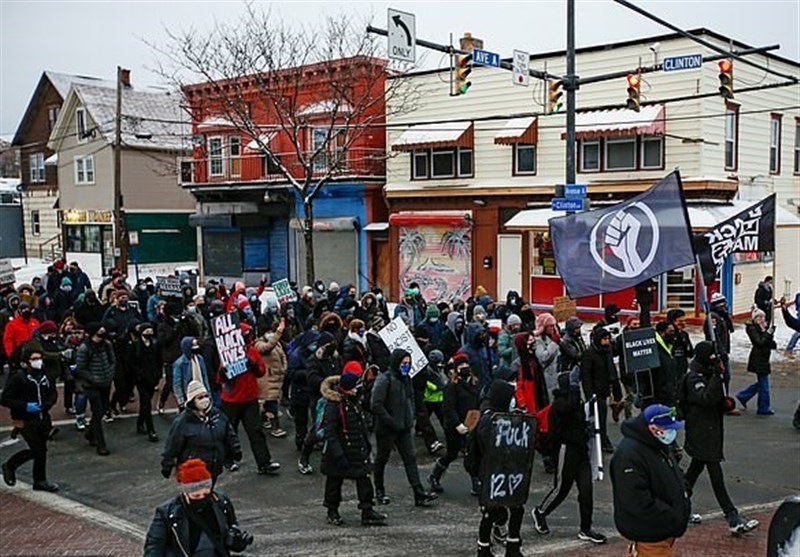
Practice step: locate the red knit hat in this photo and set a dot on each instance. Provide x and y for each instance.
(193, 475)
(353, 367)
(48, 328)
(459, 358)
(243, 303)
(59, 264)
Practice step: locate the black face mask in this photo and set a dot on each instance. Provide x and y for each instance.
(329, 350)
(200, 505)
(26, 313)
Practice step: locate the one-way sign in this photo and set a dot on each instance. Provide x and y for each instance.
(402, 35)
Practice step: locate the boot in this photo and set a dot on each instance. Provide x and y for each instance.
(423, 498)
(370, 517)
(485, 550)
(277, 432)
(334, 517)
(513, 548)
(475, 490)
(436, 476)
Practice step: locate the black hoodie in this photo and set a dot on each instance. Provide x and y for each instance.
(392, 400)
(651, 502)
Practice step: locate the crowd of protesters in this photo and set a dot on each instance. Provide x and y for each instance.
(319, 362)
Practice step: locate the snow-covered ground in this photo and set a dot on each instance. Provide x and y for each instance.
(38, 268)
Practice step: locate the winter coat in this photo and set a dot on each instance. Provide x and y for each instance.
(459, 398)
(17, 332)
(682, 352)
(244, 387)
(169, 536)
(270, 385)
(432, 332)
(355, 351)
(763, 344)
(378, 351)
(478, 355)
(568, 418)
(506, 351)
(118, 323)
(665, 378)
(598, 373)
(702, 398)
(722, 332)
(547, 354)
(650, 499)
(95, 364)
(791, 322)
(451, 341)
(148, 365)
(318, 369)
(211, 438)
(572, 348)
(182, 371)
(763, 298)
(531, 392)
(392, 400)
(346, 434)
(86, 313)
(52, 350)
(24, 386)
(170, 332)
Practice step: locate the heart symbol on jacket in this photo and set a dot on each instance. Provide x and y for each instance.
(513, 482)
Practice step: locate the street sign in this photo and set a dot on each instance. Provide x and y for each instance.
(575, 191)
(402, 28)
(564, 204)
(683, 62)
(521, 68)
(485, 58)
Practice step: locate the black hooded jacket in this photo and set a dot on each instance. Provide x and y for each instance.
(702, 395)
(392, 401)
(651, 502)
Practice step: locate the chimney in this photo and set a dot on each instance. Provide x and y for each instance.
(125, 78)
(468, 42)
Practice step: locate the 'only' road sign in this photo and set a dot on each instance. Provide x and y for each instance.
(402, 36)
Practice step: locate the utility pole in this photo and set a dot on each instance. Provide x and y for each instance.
(570, 86)
(119, 218)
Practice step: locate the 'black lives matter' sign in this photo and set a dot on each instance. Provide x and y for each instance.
(508, 452)
(231, 345)
(640, 349)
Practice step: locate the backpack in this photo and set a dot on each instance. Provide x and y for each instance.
(319, 419)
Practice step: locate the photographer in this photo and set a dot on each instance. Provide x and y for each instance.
(197, 522)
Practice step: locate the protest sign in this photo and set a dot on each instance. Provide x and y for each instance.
(396, 335)
(230, 344)
(170, 287)
(283, 291)
(640, 349)
(508, 451)
(7, 275)
(564, 307)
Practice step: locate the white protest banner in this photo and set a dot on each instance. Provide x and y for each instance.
(396, 335)
(230, 344)
(7, 275)
(283, 291)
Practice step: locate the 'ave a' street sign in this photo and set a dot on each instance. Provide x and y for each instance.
(402, 28)
(485, 58)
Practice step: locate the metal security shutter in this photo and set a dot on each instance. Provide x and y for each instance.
(255, 249)
(279, 249)
(222, 252)
(335, 251)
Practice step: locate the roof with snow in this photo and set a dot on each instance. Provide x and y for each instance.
(616, 122)
(62, 81)
(446, 134)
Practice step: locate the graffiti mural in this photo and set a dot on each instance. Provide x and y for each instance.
(439, 258)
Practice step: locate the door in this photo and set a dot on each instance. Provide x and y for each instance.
(509, 264)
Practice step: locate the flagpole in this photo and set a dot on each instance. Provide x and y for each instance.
(774, 267)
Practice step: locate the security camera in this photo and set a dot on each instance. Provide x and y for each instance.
(655, 47)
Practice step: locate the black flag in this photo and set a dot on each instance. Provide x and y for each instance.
(617, 248)
(751, 230)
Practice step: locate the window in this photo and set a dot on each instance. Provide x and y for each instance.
(84, 170)
(235, 147)
(52, 116)
(590, 155)
(271, 166)
(80, 124)
(216, 165)
(36, 224)
(465, 162)
(524, 159)
(419, 164)
(731, 136)
(652, 150)
(543, 260)
(443, 164)
(37, 168)
(187, 172)
(620, 153)
(319, 136)
(797, 146)
(775, 144)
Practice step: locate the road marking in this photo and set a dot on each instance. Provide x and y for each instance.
(72, 508)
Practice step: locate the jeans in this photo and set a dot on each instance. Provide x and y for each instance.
(248, 413)
(717, 482)
(761, 388)
(573, 467)
(35, 435)
(98, 400)
(793, 341)
(333, 492)
(404, 441)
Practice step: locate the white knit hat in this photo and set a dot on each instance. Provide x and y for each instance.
(195, 388)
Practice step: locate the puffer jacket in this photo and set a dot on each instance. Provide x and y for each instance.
(26, 386)
(763, 344)
(95, 364)
(182, 371)
(148, 363)
(211, 438)
(478, 355)
(392, 401)
(347, 447)
(271, 383)
(459, 399)
(702, 406)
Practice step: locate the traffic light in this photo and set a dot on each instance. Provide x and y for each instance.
(726, 79)
(554, 94)
(462, 70)
(634, 92)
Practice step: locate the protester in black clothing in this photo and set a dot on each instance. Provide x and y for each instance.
(570, 435)
(645, 292)
(392, 404)
(682, 349)
(118, 322)
(199, 522)
(94, 369)
(347, 449)
(599, 377)
(29, 395)
(723, 327)
(764, 298)
(147, 368)
(453, 335)
(88, 310)
(665, 378)
(572, 344)
(703, 400)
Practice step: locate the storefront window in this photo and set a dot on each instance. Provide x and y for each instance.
(84, 239)
(543, 261)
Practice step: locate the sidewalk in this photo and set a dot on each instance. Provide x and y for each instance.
(28, 528)
(711, 539)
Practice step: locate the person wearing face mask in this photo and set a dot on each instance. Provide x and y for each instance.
(379, 353)
(18, 331)
(194, 311)
(758, 362)
(703, 404)
(453, 334)
(367, 307)
(198, 522)
(665, 378)
(651, 504)
(723, 327)
(62, 301)
(506, 350)
(380, 298)
(118, 321)
(95, 364)
(392, 404)
(148, 373)
(430, 330)
(203, 432)
(190, 366)
(354, 345)
(29, 395)
(476, 348)
(270, 386)
(599, 377)
(304, 307)
(87, 309)
(547, 349)
(171, 329)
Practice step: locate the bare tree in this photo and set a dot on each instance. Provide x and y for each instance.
(258, 73)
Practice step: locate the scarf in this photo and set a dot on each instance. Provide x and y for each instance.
(197, 372)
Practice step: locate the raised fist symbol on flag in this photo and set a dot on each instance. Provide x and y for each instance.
(621, 237)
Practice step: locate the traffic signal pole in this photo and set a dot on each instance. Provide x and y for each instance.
(570, 85)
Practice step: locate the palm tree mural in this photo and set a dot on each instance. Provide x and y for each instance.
(412, 244)
(457, 243)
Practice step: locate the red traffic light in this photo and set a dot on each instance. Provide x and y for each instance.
(633, 80)
(725, 66)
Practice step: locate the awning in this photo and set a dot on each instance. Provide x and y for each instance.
(612, 123)
(211, 220)
(334, 224)
(323, 108)
(518, 130)
(425, 136)
(216, 122)
(422, 218)
(264, 138)
(376, 227)
(52, 160)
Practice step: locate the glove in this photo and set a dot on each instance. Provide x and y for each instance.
(237, 539)
(341, 462)
(33, 407)
(462, 429)
(165, 471)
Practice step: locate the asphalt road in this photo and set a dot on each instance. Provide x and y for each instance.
(286, 516)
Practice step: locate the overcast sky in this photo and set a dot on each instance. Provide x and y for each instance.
(92, 38)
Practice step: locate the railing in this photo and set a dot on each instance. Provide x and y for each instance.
(50, 249)
(259, 167)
